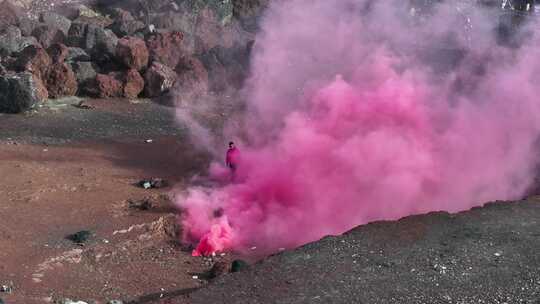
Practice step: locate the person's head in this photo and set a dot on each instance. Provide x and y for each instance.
(231, 144)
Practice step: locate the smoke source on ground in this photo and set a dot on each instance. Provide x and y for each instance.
(371, 110)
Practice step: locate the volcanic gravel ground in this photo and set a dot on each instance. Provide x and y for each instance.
(487, 255)
(62, 121)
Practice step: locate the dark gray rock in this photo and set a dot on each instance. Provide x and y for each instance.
(76, 54)
(94, 39)
(18, 92)
(125, 24)
(239, 265)
(27, 26)
(27, 41)
(80, 237)
(84, 71)
(56, 20)
(227, 67)
(10, 40)
(127, 28)
(48, 35)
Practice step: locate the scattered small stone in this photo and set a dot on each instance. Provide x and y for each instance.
(195, 277)
(144, 204)
(6, 289)
(218, 268)
(153, 183)
(148, 141)
(115, 302)
(238, 265)
(80, 237)
(69, 301)
(83, 105)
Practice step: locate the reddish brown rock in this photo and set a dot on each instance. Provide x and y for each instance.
(58, 52)
(132, 52)
(47, 35)
(159, 78)
(105, 86)
(166, 47)
(35, 60)
(191, 70)
(133, 84)
(41, 91)
(61, 80)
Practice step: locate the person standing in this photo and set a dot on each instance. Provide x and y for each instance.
(231, 159)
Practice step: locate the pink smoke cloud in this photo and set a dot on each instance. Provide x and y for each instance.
(349, 121)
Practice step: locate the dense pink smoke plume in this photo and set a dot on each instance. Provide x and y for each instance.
(361, 111)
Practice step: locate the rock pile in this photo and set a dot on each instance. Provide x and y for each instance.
(120, 49)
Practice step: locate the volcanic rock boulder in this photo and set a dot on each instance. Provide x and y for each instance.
(175, 21)
(227, 67)
(133, 84)
(27, 26)
(248, 8)
(35, 60)
(248, 12)
(9, 40)
(58, 52)
(12, 42)
(208, 31)
(159, 78)
(76, 54)
(105, 86)
(9, 14)
(55, 20)
(48, 35)
(133, 53)
(166, 47)
(61, 80)
(84, 72)
(20, 92)
(94, 39)
(192, 81)
(125, 24)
